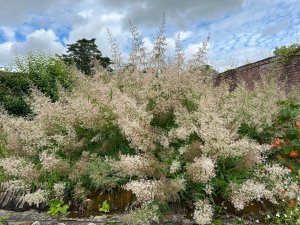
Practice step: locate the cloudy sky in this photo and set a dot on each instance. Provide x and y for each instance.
(241, 31)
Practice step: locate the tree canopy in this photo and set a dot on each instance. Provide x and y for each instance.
(84, 53)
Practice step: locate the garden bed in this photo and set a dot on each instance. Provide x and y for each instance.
(138, 144)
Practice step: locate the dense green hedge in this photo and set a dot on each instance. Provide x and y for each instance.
(38, 70)
(14, 87)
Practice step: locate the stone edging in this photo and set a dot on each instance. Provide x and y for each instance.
(33, 217)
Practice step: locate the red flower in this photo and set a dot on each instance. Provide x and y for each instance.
(293, 154)
(290, 167)
(297, 124)
(292, 203)
(286, 140)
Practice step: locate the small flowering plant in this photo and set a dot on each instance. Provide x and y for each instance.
(286, 143)
(289, 215)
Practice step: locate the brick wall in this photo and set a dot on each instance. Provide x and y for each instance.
(250, 73)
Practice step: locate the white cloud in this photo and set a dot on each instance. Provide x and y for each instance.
(95, 26)
(185, 35)
(40, 40)
(8, 33)
(178, 12)
(85, 14)
(14, 12)
(238, 28)
(148, 43)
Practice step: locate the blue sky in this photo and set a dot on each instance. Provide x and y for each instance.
(241, 31)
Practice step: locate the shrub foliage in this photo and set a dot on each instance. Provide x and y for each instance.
(41, 71)
(163, 135)
(84, 54)
(102, 136)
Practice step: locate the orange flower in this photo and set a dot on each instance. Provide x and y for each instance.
(297, 124)
(292, 203)
(293, 154)
(290, 167)
(277, 142)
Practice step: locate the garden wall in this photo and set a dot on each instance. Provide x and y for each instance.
(252, 72)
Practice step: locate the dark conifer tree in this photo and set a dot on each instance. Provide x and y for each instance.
(84, 53)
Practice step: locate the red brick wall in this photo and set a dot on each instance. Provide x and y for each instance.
(252, 72)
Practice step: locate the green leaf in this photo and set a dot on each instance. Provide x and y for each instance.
(105, 207)
(57, 207)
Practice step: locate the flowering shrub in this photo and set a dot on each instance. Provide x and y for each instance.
(286, 142)
(289, 215)
(105, 135)
(162, 136)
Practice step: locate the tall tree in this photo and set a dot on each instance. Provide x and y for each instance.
(84, 53)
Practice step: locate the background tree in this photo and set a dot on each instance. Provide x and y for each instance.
(84, 53)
